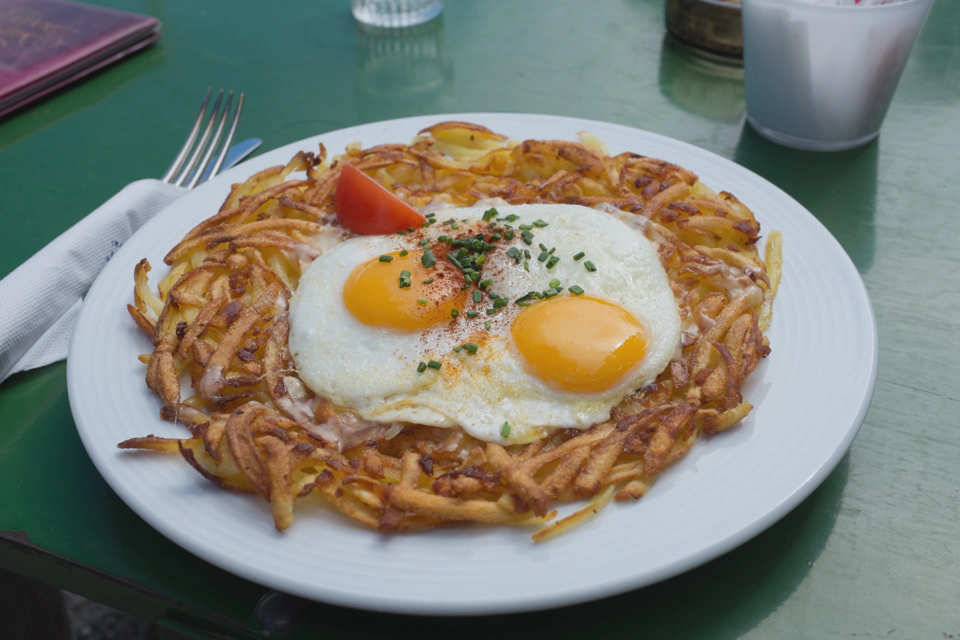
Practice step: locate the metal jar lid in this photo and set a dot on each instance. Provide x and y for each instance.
(711, 25)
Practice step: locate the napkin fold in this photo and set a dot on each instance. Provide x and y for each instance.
(40, 299)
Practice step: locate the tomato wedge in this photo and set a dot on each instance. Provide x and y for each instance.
(363, 205)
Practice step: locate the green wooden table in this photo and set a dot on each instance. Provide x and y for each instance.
(874, 552)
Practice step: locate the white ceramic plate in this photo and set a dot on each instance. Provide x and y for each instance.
(810, 395)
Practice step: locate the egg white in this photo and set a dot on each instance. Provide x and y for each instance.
(372, 371)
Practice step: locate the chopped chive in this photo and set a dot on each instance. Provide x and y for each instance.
(543, 256)
(485, 283)
(404, 253)
(386, 258)
(433, 364)
(552, 262)
(590, 266)
(555, 283)
(409, 229)
(549, 293)
(499, 303)
(421, 367)
(454, 225)
(542, 246)
(452, 257)
(422, 301)
(401, 232)
(490, 312)
(579, 255)
(494, 237)
(513, 252)
(428, 259)
(526, 254)
(539, 223)
(423, 242)
(426, 223)
(509, 234)
(431, 214)
(472, 314)
(505, 429)
(552, 250)
(512, 217)
(576, 290)
(457, 349)
(490, 214)
(476, 296)
(479, 261)
(428, 281)
(454, 313)
(486, 325)
(471, 347)
(526, 266)
(525, 227)
(524, 303)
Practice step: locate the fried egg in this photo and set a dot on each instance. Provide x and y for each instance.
(570, 312)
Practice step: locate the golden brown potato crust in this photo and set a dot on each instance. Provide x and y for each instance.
(220, 316)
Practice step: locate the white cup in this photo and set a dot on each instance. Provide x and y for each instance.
(821, 77)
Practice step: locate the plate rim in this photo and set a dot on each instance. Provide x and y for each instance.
(532, 602)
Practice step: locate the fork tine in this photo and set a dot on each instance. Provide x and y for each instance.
(213, 145)
(188, 143)
(202, 144)
(229, 140)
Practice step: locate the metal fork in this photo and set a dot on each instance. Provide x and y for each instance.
(190, 168)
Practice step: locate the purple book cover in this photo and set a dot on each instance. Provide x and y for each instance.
(40, 39)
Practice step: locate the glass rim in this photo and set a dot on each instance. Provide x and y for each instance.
(828, 8)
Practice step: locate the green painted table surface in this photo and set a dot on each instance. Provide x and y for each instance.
(874, 552)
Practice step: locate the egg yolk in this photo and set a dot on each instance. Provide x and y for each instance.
(578, 343)
(372, 293)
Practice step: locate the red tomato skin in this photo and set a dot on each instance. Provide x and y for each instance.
(364, 206)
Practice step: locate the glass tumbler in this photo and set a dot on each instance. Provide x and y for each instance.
(395, 13)
(820, 77)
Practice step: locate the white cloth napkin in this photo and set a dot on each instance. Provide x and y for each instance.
(40, 300)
